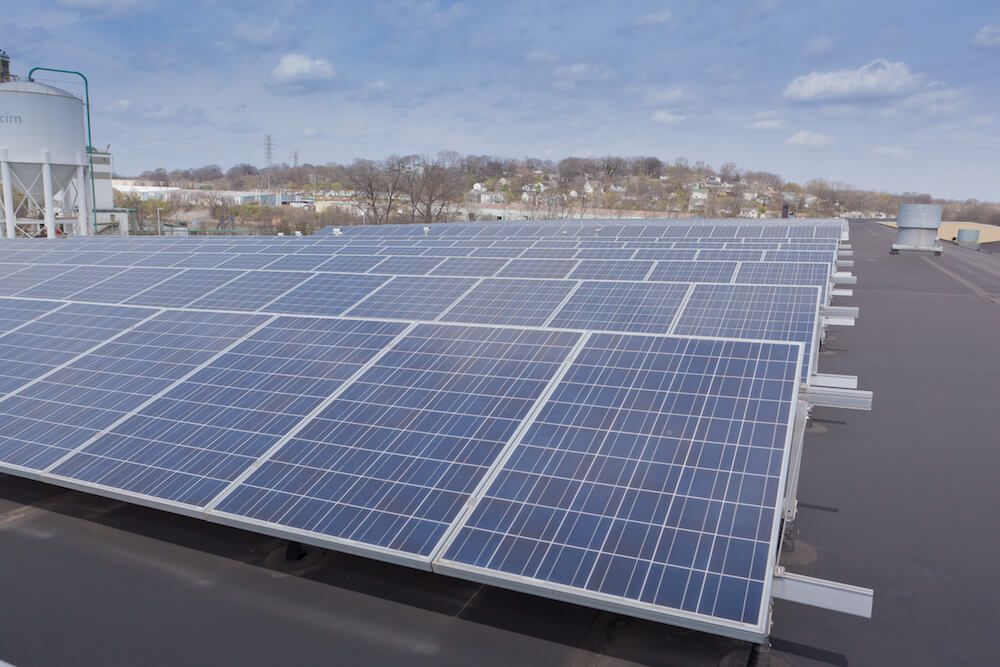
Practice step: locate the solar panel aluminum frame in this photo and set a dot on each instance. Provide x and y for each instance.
(618, 605)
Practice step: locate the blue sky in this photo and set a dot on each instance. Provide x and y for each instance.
(885, 95)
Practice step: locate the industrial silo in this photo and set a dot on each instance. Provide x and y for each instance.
(42, 153)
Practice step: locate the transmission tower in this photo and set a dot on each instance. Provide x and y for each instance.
(269, 145)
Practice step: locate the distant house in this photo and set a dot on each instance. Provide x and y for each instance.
(699, 195)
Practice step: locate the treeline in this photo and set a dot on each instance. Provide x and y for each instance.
(420, 188)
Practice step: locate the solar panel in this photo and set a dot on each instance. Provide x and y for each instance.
(648, 483)
(17, 312)
(606, 269)
(299, 262)
(546, 429)
(729, 255)
(30, 277)
(784, 312)
(350, 263)
(537, 268)
(418, 298)
(51, 417)
(123, 285)
(666, 253)
(183, 288)
(189, 444)
(785, 273)
(691, 272)
(202, 260)
(252, 290)
(407, 266)
(55, 338)
(327, 294)
(634, 307)
(389, 463)
(605, 253)
(469, 266)
(68, 282)
(549, 253)
(510, 302)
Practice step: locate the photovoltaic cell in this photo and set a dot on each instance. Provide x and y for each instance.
(350, 263)
(600, 269)
(63, 411)
(537, 268)
(633, 307)
(57, 337)
(123, 286)
(787, 313)
(785, 273)
(190, 443)
(15, 312)
(510, 302)
(391, 461)
(693, 272)
(298, 262)
(417, 298)
(469, 266)
(30, 277)
(252, 290)
(651, 478)
(729, 255)
(407, 266)
(183, 288)
(327, 294)
(245, 260)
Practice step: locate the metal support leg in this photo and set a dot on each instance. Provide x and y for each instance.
(50, 205)
(760, 654)
(8, 195)
(82, 218)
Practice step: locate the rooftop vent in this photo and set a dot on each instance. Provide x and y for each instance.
(918, 228)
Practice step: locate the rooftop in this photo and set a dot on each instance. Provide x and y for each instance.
(885, 502)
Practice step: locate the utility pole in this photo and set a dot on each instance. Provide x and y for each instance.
(268, 156)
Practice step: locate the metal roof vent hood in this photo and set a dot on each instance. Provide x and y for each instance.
(918, 228)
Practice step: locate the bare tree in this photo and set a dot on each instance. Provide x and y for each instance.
(434, 187)
(378, 187)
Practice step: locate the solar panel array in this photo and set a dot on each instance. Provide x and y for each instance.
(594, 410)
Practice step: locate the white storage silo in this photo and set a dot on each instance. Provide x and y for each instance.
(42, 152)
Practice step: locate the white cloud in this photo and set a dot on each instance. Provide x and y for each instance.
(121, 106)
(299, 74)
(258, 34)
(810, 139)
(819, 46)
(878, 80)
(656, 18)
(891, 151)
(539, 56)
(666, 117)
(569, 76)
(936, 98)
(670, 95)
(988, 36)
(769, 124)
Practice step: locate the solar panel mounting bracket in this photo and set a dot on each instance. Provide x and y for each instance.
(836, 397)
(834, 380)
(845, 263)
(843, 278)
(832, 595)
